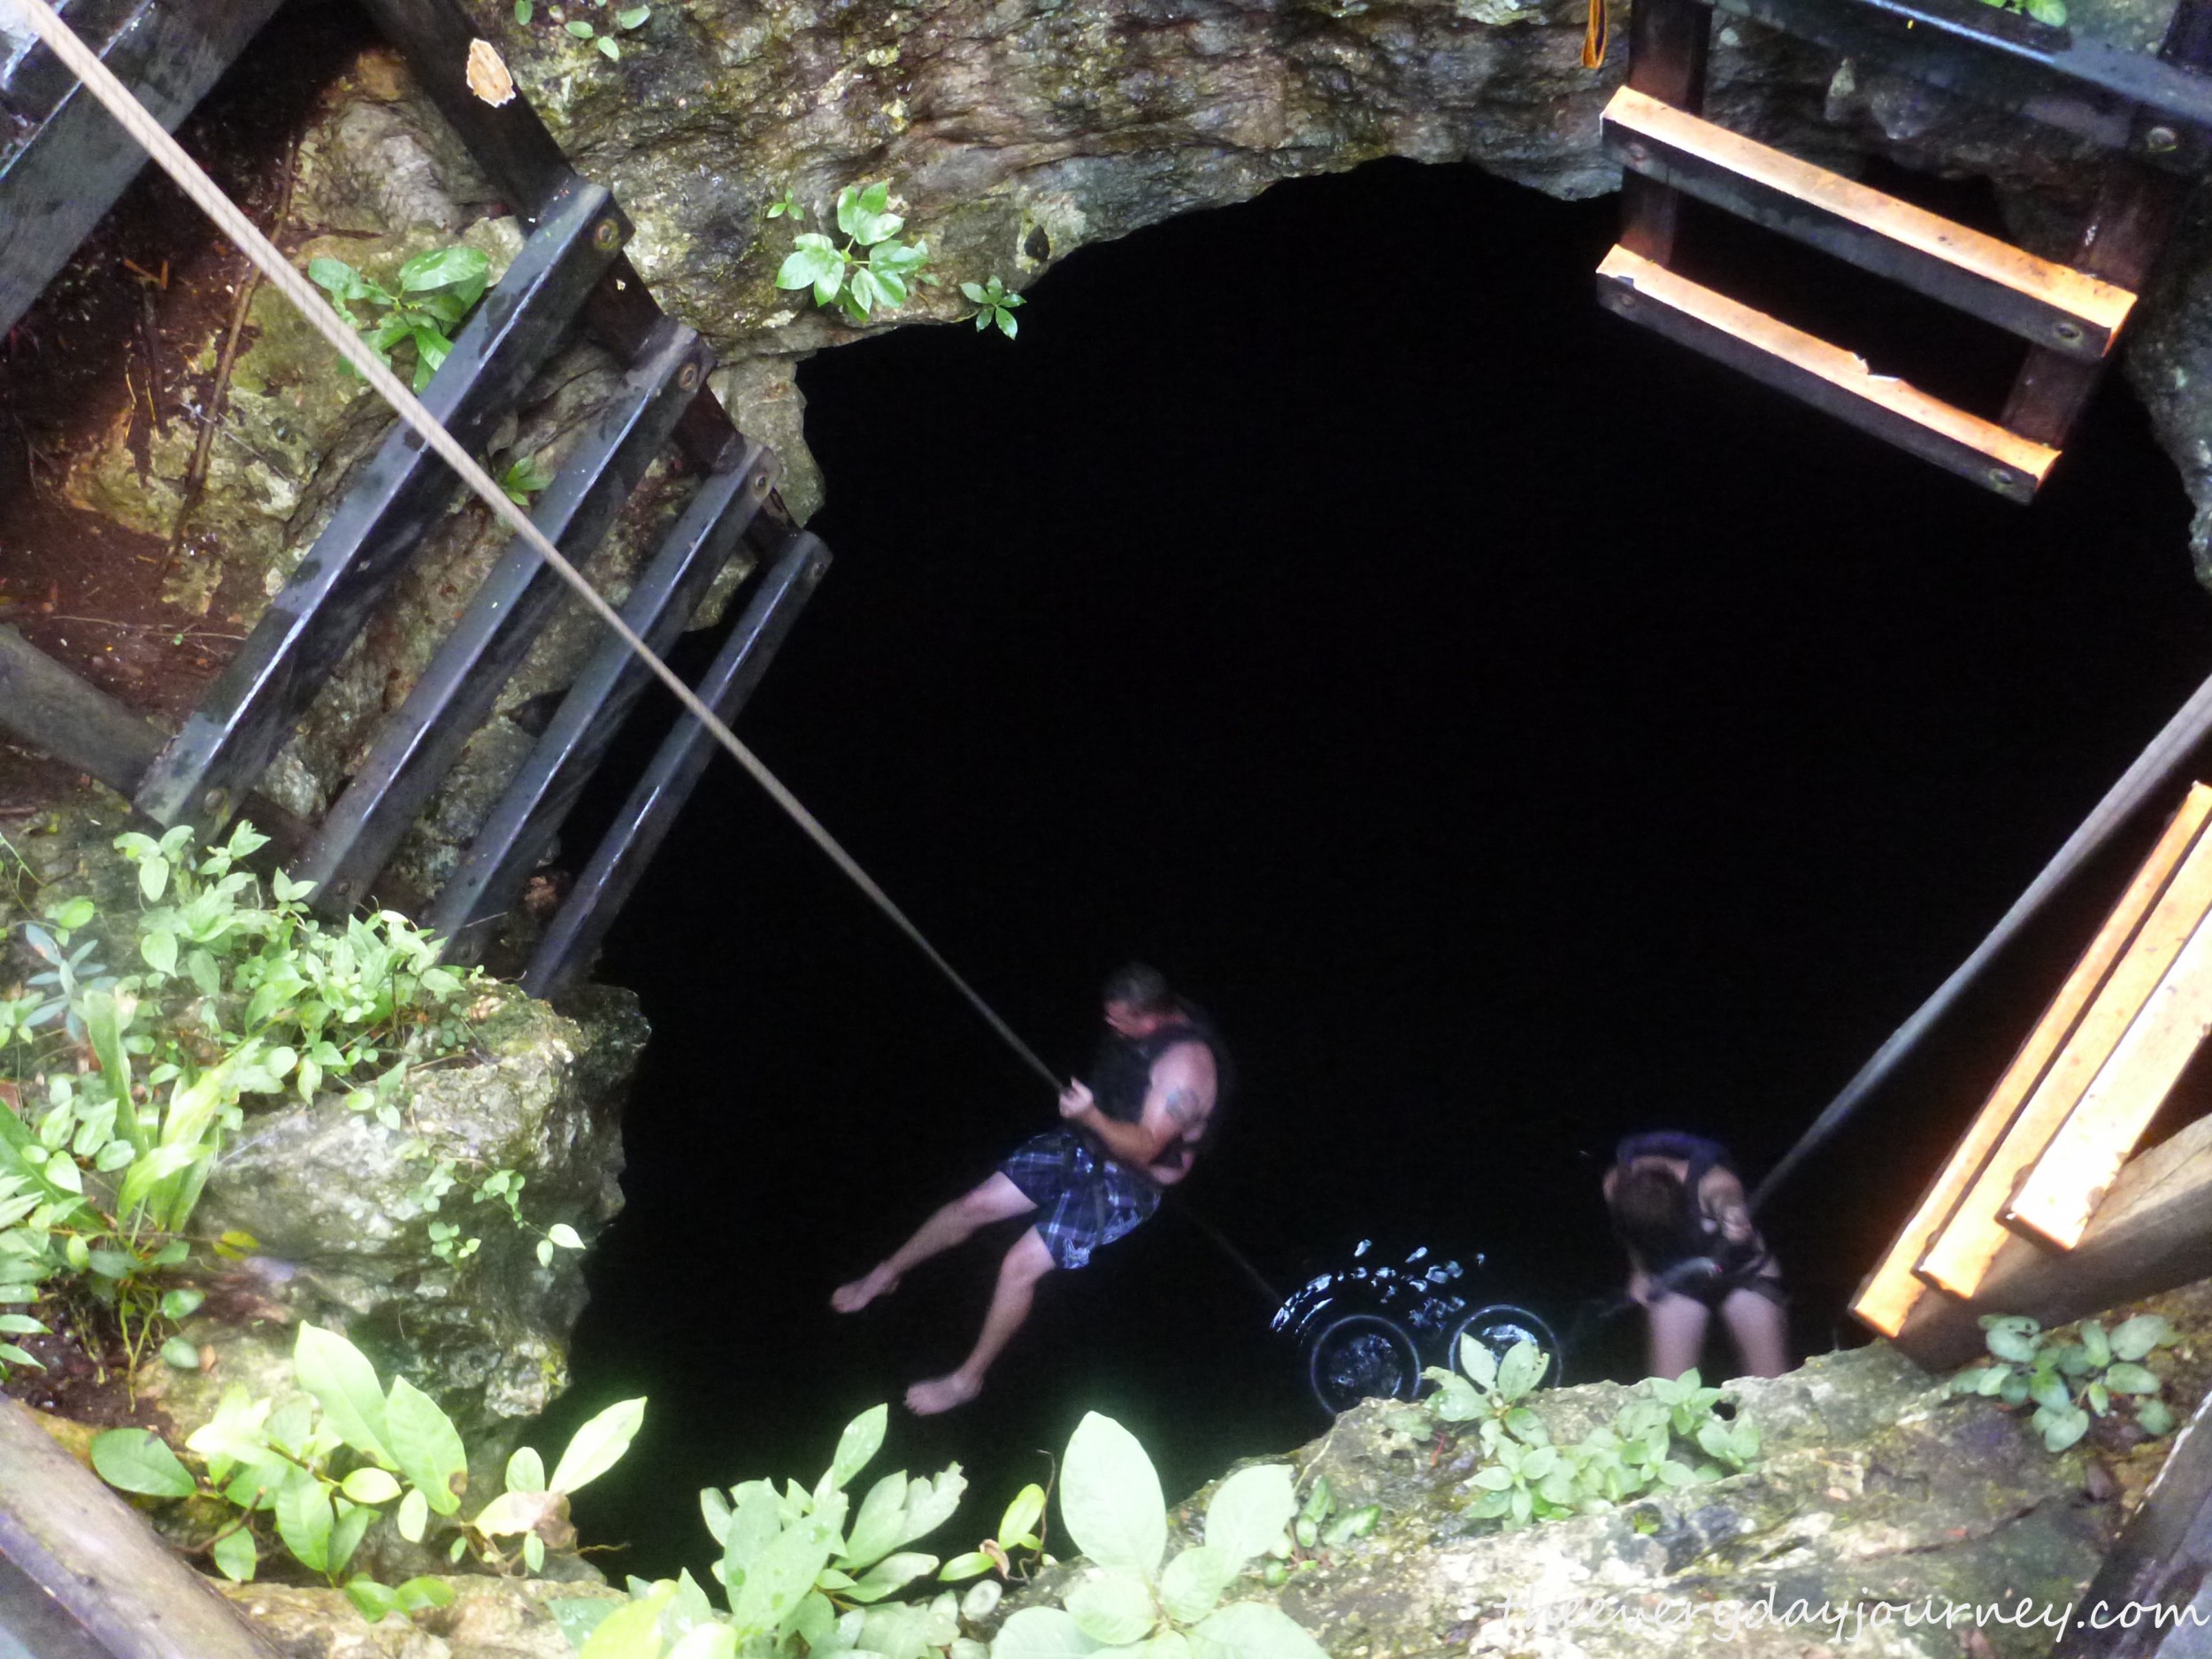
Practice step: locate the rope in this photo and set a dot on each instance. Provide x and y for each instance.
(2155, 770)
(141, 125)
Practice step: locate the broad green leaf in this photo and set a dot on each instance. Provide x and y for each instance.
(598, 1446)
(1521, 1369)
(783, 1572)
(2137, 1337)
(1022, 1516)
(426, 1446)
(445, 267)
(236, 1555)
(705, 1641)
(370, 1485)
(178, 1354)
(564, 1236)
(2128, 1379)
(303, 1519)
(2064, 1428)
(1041, 1632)
(1479, 1362)
(512, 1512)
(417, 1595)
(1193, 1584)
(632, 1632)
(375, 1601)
(754, 1524)
(1112, 1609)
(862, 1440)
(1248, 1512)
(2155, 1418)
(965, 1567)
(345, 1538)
(1109, 1495)
(2096, 1344)
(414, 1517)
(892, 1573)
(138, 1460)
(1253, 1630)
(343, 1382)
(2016, 1346)
(526, 1472)
(159, 950)
(630, 17)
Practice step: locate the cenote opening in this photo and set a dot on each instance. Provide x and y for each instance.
(1516, 731)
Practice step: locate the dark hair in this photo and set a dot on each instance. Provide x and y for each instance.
(1136, 985)
(1647, 1206)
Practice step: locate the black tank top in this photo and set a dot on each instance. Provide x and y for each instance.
(1121, 1073)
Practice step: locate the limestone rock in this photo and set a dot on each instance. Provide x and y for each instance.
(490, 1618)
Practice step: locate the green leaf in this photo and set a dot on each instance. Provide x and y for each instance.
(892, 1573)
(580, 30)
(370, 1485)
(1521, 1369)
(344, 1384)
(1022, 1516)
(1479, 1362)
(784, 1572)
(2155, 1418)
(304, 1520)
(159, 948)
(375, 1600)
(598, 1446)
(1252, 1630)
(236, 1555)
(178, 1354)
(414, 1517)
(2128, 1378)
(2136, 1338)
(965, 1567)
(1112, 1609)
(181, 1305)
(526, 1472)
(705, 1641)
(630, 17)
(1248, 1512)
(608, 48)
(418, 1595)
(345, 1538)
(523, 9)
(564, 1237)
(1193, 1584)
(426, 1446)
(1008, 323)
(138, 1460)
(2064, 1428)
(862, 1440)
(1041, 1632)
(632, 1632)
(1110, 1497)
(975, 291)
(2016, 1345)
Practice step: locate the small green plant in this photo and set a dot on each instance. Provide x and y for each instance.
(873, 268)
(1020, 1528)
(626, 18)
(787, 206)
(2052, 12)
(1109, 1497)
(993, 305)
(2070, 1380)
(523, 478)
(1522, 1477)
(126, 1084)
(804, 1571)
(318, 1468)
(435, 292)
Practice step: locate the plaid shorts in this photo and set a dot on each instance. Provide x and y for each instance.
(1084, 1202)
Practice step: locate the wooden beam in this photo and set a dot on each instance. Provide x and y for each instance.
(2061, 1192)
(1890, 1291)
(2049, 304)
(1822, 374)
(63, 1530)
(1961, 1254)
(2152, 1232)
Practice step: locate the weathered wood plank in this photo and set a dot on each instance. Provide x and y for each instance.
(61, 1527)
(1890, 1291)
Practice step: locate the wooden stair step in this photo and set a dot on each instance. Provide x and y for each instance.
(2051, 305)
(1822, 374)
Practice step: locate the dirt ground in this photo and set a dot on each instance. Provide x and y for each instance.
(103, 345)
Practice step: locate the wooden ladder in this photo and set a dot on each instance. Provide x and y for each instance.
(2069, 316)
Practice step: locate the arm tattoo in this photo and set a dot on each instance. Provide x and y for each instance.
(1182, 1106)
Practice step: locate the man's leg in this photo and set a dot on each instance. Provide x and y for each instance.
(1026, 1264)
(1677, 1333)
(998, 1199)
(1760, 1329)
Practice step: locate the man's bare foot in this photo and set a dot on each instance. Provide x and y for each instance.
(853, 1297)
(927, 1399)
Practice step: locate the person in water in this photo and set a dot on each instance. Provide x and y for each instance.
(1680, 1211)
(1132, 1131)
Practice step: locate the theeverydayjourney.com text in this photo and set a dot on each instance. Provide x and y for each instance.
(1840, 1621)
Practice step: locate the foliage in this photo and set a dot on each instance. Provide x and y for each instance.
(523, 478)
(2052, 12)
(602, 38)
(802, 1571)
(787, 206)
(2068, 1379)
(127, 1084)
(435, 292)
(318, 1468)
(1318, 1528)
(1020, 1528)
(1133, 1600)
(873, 268)
(994, 304)
(1523, 1477)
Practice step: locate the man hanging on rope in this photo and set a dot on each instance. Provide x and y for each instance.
(1132, 1131)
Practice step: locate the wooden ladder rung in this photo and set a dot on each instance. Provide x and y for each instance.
(1822, 374)
(2051, 305)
